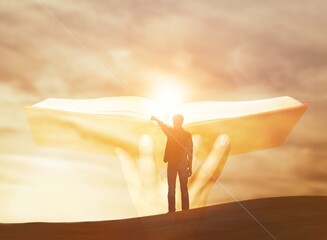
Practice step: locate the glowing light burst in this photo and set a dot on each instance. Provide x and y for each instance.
(169, 96)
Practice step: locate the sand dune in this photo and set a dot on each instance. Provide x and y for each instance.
(284, 217)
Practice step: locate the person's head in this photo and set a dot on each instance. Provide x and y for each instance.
(178, 120)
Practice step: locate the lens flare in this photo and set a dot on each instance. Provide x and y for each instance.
(169, 96)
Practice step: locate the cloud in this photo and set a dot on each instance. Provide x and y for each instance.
(231, 47)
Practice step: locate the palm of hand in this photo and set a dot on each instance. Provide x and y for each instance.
(148, 189)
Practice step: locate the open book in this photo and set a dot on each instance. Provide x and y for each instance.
(102, 124)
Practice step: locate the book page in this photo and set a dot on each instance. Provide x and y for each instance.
(135, 107)
(100, 133)
(251, 132)
(212, 110)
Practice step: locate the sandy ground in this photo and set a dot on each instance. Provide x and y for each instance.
(279, 218)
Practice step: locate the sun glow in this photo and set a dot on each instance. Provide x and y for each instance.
(169, 96)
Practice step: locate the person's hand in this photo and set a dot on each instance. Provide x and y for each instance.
(149, 190)
(189, 172)
(153, 118)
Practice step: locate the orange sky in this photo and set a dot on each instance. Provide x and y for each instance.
(217, 50)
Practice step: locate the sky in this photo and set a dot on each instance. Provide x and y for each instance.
(212, 50)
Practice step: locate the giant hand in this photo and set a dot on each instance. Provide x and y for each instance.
(149, 190)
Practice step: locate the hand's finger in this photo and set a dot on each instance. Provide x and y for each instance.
(211, 168)
(147, 165)
(130, 171)
(197, 140)
(216, 160)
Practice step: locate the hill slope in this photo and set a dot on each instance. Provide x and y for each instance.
(284, 217)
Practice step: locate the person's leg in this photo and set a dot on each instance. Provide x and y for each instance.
(183, 179)
(171, 177)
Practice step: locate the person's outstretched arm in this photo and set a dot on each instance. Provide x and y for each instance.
(163, 126)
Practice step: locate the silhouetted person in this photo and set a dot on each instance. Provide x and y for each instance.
(178, 154)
